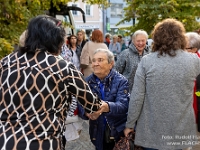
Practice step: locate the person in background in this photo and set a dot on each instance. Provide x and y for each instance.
(130, 41)
(114, 46)
(106, 125)
(81, 39)
(128, 59)
(66, 53)
(122, 43)
(73, 123)
(34, 105)
(107, 39)
(76, 51)
(162, 95)
(88, 50)
(193, 45)
(193, 42)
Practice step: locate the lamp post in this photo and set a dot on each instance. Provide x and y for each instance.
(104, 11)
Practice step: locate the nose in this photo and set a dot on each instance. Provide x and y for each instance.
(95, 63)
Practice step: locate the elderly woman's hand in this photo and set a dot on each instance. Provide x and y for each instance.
(127, 131)
(94, 115)
(104, 107)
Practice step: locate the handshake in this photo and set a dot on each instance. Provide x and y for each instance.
(103, 108)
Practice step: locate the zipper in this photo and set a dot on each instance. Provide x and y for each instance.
(112, 138)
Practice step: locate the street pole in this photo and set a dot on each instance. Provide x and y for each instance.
(104, 20)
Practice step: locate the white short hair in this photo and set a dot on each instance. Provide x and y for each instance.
(140, 32)
(109, 54)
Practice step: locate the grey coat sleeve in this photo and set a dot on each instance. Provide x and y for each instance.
(120, 65)
(137, 96)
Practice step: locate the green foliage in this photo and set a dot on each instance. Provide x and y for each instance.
(15, 15)
(150, 12)
(5, 48)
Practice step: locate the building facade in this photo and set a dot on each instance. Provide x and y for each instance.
(93, 16)
(113, 15)
(100, 18)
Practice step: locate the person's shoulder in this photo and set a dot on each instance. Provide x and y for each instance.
(103, 44)
(119, 77)
(89, 78)
(150, 55)
(125, 52)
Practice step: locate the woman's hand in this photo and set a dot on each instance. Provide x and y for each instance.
(127, 131)
(94, 115)
(103, 108)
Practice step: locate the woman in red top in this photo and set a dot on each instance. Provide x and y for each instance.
(193, 46)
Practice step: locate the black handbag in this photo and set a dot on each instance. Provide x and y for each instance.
(107, 136)
(127, 143)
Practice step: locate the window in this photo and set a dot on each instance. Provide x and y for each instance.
(116, 10)
(87, 10)
(74, 12)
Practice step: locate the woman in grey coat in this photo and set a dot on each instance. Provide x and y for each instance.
(128, 59)
(162, 94)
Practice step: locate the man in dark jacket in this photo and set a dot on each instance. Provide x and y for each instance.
(113, 89)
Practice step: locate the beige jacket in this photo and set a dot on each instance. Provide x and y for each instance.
(87, 55)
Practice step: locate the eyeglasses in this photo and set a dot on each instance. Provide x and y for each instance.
(99, 60)
(189, 48)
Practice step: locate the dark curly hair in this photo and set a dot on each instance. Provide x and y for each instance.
(44, 33)
(168, 36)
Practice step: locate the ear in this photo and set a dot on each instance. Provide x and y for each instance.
(111, 64)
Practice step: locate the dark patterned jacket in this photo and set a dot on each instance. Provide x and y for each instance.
(127, 62)
(35, 94)
(117, 97)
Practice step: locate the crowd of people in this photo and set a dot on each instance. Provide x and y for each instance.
(53, 82)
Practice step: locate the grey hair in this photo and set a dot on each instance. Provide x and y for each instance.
(139, 32)
(108, 53)
(193, 39)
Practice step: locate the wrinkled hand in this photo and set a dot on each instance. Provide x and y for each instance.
(127, 131)
(104, 108)
(94, 115)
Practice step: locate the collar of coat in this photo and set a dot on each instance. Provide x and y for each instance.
(106, 80)
(134, 49)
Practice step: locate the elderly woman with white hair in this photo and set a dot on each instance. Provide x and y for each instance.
(107, 124)
(193, 46)
(193, 40)
(128, 59)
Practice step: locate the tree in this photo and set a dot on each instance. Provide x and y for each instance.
(150, 12)
(15, 14)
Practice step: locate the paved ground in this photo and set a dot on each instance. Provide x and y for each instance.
(83, 143)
